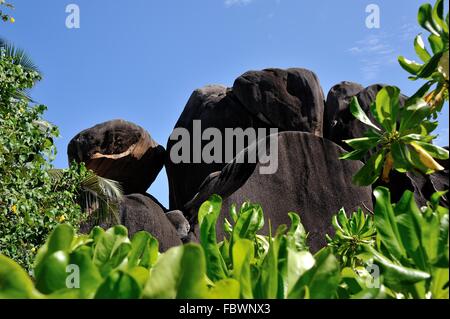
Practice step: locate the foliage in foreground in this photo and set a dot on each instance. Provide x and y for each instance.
(407, 247)
(34, 197)
(400, 140)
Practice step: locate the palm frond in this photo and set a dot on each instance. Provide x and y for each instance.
(19, 56)
(99, 196)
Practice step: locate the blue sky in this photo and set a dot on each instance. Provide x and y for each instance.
(140, 60)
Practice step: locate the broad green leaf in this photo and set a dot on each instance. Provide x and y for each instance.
(243, 253)
(371, 171)
(144, 250)
(322, 279)
(413, 114)
(401, 156)
(421, 51)
(354, 155)
(431, 66)
(119, 285)
(250, 221)
(208, 214)
(363, 143)
(395, 275)
(296, 235)
(14, 281)
(436, 43)
(111, 250)
(179, 273)
(59, 240)
(359, 114)
(409, 66)
(89, 275)
(298, 263)
(387, 107)
(438, 16)
(386, 224)
(225, 289)
(434, 150)
(426, 20)
(53, 273)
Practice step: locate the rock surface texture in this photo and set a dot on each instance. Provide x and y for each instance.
(310, 180)
(288, 100)
(121, 151)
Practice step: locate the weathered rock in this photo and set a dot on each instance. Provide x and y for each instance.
(283, 99)
(344, 125)
(180, 223)
(138, 212)
(216, 107)
(310, 180)
(121, 151)
(338, 100)
(291, 100)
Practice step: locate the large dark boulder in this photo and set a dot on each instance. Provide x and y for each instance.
(338, 101)
(291, 100)
(310, 180)
(287, 100)
(121, 151)
(138, 212)
(215, 107)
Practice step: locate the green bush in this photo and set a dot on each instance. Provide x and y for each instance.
(407, 245)
(34, 197)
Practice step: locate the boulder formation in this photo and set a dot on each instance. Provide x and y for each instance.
(121, 151)
(288, 100)
(139, 212)
(310, 180)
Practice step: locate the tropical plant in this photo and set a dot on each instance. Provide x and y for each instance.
(435, 65)
(109, 265)
(410, 247)
(33, 198)
(400, 141)
(350, 233)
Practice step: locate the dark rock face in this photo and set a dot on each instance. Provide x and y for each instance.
(338, 100)
(138, 212)
(121, 151)
(180, 223)
(344, 125)
(289, 100)
(310, 180)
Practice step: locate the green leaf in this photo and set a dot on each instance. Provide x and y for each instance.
(14, 281)
(413, 114)
(387, 107)
(363, 143)
(298, 263)
(434, 150)
(322, 280)
(359, 114)
(89, 276)
(409, 66)
(436, 43)
(425, 18)
(431, 66)
(225, 289)
(208, 214)
(438, 16)
(250, 221)
(111, 250)
(119, 285)
(144, 250)
(243, 253)
(354, 155)
(296, 235)
(421, 51)
(386, 224)
(371, 171)
(179, 273)
(52, 273)
(396, 276)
